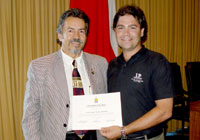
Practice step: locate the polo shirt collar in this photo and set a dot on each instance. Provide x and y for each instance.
(133, 58)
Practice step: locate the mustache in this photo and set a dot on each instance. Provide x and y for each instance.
(76, 40)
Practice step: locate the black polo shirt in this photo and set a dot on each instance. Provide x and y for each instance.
(146, 77)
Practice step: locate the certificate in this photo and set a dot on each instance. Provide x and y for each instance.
(92, 112)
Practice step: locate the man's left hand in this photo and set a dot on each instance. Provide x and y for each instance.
(111, 133)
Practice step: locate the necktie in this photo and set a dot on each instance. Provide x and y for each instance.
(77, 90)
(76, 78)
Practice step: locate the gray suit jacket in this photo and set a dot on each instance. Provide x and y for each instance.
(46, 100)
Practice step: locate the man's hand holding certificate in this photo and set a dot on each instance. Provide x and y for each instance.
(92, 112)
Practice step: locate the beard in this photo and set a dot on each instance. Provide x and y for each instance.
(73, 47)
(76, 50)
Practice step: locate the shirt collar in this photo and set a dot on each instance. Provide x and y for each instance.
(68, 60)
(134, 57)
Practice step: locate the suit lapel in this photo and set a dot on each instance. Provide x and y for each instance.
(60, 75)
(90, 68)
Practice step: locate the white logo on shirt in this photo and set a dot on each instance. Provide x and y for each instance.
(137, 78)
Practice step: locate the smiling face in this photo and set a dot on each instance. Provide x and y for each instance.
(73, 37)
(129, 33)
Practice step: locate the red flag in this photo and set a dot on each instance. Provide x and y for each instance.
(98, 41)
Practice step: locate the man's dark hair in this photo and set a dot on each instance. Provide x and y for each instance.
(73, 12)
(137, 13)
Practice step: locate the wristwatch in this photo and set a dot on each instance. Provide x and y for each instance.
(123, 134)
